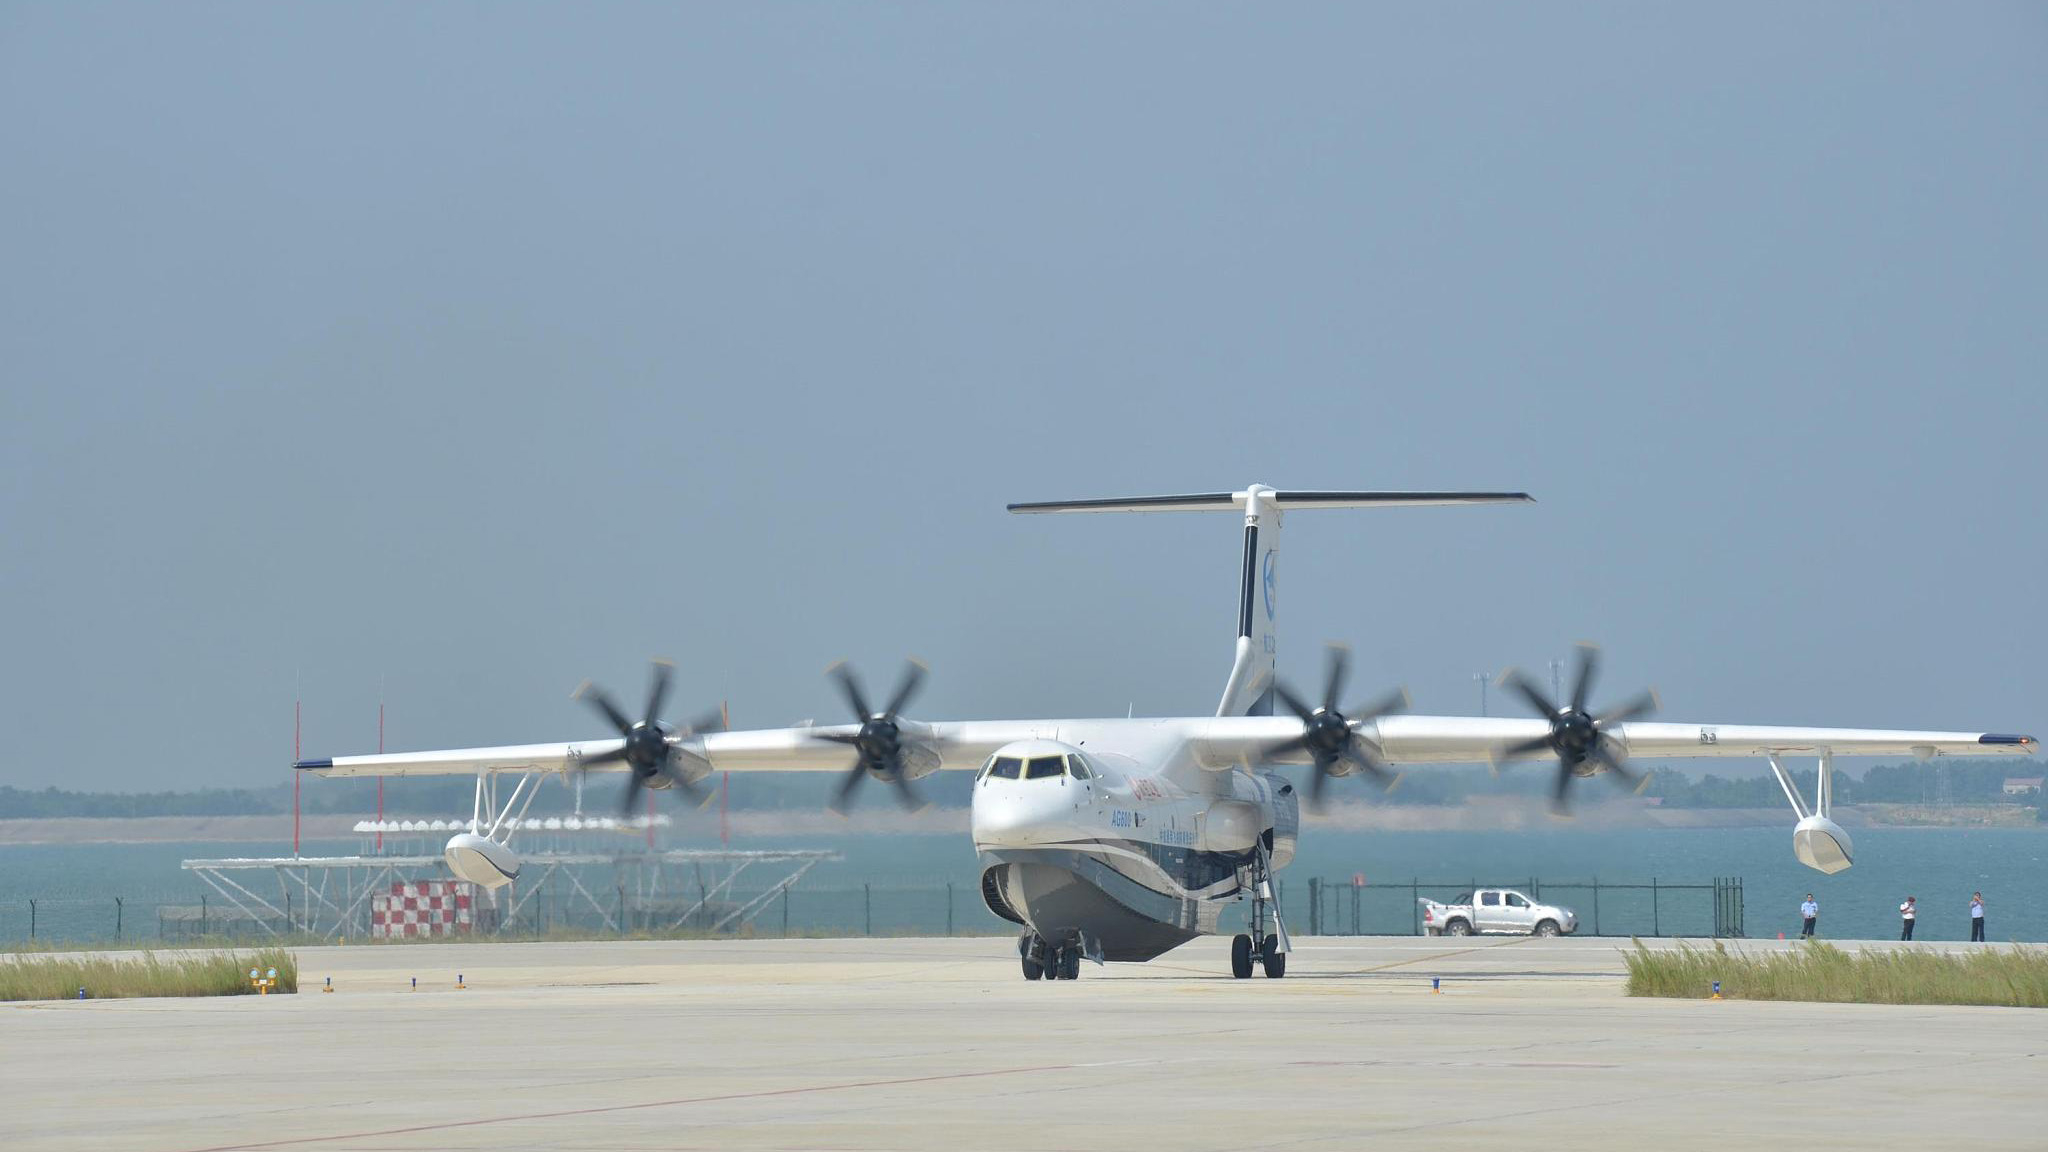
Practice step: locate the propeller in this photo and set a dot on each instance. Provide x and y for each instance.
(878, 746)
(646, 748)
(1330, 736)
(1578, 738)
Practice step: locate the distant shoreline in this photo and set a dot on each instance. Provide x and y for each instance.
(1490, 816)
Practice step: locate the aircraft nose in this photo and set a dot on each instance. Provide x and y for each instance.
(1011, 814)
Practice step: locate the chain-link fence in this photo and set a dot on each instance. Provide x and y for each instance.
(1313, 906)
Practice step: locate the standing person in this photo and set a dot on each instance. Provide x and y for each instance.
(1977, 917)
(1906, 914)
(1809, 912)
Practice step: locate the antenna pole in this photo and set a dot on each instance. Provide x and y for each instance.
(297, 776)
(380, 779)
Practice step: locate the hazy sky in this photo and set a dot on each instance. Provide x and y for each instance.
(468, 351)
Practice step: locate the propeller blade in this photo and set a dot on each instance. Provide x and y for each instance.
(708, 722)
(1317, 780)
(850, 685)
(1294, 703)
(836, 737)
(1336, 668)
(1607, 752)
(1589, 668)
(603, 703)
(1644, 705)
(841, 800)
(1564, 783)
(1521, 750)
(1274, 751)
(913, 675)
(657, 692)
(1530, 692)
(1361, 754)
(908, 797)
(611, 757)
(1395, 701)
(633, 787)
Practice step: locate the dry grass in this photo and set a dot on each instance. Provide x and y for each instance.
(59, 977)
(2015, 976)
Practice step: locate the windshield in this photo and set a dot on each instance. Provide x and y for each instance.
(1040, 767)
(1005, 767)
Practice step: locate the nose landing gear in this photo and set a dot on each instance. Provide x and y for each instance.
(1270, 949)
(1044, 960)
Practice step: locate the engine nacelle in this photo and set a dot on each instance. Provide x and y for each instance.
(1822, 845)
(1264, 806)
(481, 860)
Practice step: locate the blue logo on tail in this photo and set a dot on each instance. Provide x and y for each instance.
(1270, 554)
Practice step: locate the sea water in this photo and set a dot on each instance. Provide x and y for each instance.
(899, 878)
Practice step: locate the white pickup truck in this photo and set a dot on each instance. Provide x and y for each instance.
(1496, 910)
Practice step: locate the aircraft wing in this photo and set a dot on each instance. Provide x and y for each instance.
(799, 749)
(1471, 739)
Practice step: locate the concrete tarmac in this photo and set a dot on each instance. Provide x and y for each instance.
(941, 1044)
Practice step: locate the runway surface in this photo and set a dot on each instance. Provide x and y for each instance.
(941, 1044)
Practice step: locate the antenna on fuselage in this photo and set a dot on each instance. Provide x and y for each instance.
(1249, 690)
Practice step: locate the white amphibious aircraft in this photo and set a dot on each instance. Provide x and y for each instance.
(1119, 839)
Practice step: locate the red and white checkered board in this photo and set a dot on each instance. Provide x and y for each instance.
(423, 908)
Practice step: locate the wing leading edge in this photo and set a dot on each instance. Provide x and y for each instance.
(958, 745)
(1472, 739)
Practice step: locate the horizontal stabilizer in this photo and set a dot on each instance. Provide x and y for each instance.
(1282, 499)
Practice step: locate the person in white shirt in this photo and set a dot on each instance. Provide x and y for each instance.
(1977, 917)
(1809, 912)
(1906, 914)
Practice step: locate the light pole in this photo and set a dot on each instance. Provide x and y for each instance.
(1481, 679)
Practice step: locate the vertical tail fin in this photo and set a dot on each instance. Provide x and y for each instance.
(1249, 690)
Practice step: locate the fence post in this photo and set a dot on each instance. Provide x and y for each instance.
(1596, 905)
(622, 908)
(1656, 925)
(117, 919)
(1315, 906)
(949, 908)
(1357, 928)
(867, 903)
(202, 913)
(290, 921)
(785, 910)
(31, 919)
(1415, 905)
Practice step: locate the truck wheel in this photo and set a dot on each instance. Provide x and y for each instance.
(1458, 928)
(1547, 928)
(1273, 958)
(1241, 956)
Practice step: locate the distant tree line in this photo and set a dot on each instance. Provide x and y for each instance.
(1970, 782)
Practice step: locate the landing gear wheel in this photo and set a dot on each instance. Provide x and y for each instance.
(1273, 958)
(1032, 951)
(1070, 963)
(1241, 956)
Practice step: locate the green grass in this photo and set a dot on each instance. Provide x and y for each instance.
(59, 977)
(2015, 976)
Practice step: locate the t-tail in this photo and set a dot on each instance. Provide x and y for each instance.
(1250, 688)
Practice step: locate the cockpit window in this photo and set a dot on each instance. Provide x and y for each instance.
(1005, 767)
(1041, 767)
(1078, 767)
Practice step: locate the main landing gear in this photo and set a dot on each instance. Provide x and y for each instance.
(1270, 949)
(1044, 960)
